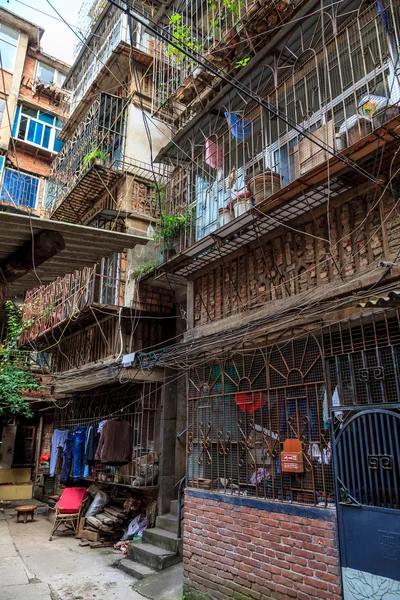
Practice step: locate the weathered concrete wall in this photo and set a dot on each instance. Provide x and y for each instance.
(242, 548)
(137, 145)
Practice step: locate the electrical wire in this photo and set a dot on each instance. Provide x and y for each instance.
(206, 64)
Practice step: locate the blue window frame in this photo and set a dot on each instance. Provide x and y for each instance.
(19, 189)
(37, 127)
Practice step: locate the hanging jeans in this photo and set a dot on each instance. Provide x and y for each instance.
(79, 434)
(67, 456)
(58, 441)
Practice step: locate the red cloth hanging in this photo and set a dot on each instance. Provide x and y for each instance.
(214, 155)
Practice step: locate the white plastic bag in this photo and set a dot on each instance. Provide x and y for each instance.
(136, 527)
(99, 502)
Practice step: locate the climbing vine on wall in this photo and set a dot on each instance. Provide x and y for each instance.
(16, 376)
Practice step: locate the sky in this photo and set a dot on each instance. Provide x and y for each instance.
(57, 39)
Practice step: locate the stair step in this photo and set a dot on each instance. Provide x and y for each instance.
(162, 538)
(136, 569)
(168, 521)
(174, 507)
(153, 556)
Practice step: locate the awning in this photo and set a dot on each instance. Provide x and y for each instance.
(391, 299)
(84, 246)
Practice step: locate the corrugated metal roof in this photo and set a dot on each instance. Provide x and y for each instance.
(84, 246)
(390, 299)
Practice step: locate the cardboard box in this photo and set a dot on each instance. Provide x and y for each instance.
(308, 154)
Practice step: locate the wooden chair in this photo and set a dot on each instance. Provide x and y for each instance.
(69, 510)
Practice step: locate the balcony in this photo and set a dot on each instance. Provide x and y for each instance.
(69, 301)
(252, 171)
(104, 59)
(226, 34)
(90, 162)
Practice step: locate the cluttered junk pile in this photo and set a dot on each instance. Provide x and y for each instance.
(120, 500)
(115, 518)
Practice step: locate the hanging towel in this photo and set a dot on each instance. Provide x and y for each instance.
(214, 155)
(238, 126)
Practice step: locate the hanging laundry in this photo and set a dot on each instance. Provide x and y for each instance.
(115, 444)
(214, 155)
(79, 434)
(58, 441)
(239, 128)
(67, 457)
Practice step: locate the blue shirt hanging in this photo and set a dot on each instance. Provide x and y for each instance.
(238, 126)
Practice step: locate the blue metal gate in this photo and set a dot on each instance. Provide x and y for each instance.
(366, 449)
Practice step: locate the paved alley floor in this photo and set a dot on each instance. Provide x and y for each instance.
(32, 568)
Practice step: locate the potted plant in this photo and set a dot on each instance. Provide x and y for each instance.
(264, 183)
(225, 214)
(172, 227)
(96, 156)
(242, 201)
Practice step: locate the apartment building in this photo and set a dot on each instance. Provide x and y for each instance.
(94, 321)
(31, 112)
(283, 191)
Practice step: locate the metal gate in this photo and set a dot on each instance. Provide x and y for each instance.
(366, 447)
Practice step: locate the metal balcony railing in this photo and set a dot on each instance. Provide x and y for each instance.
(67, 297)
(338, 92)
(227, 33)
(99, 139)
(103, 29)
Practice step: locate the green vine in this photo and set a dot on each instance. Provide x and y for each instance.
(172, 226)
(15, 373)
(144, 269)
(225, 19)
(183, 37)
(242, 63)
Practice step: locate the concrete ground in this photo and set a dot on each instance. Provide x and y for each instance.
(32, 568)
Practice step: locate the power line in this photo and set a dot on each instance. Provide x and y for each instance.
(206, 64)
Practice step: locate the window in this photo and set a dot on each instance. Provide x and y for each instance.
(49, 75)
(19, 189)
(8, 47)
(2, 107)
(37, 127)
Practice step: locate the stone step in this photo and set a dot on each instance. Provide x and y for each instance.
(162, 538)
(174, 508)
(152, 556)
(135, 569)
(168, 522)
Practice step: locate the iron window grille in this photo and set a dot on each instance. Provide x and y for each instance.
(323, 91)
(243, 406)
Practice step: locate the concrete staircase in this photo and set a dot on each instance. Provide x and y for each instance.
(160, 547)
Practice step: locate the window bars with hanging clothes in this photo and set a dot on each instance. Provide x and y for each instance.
(246, 406)
(137, 404)
(240, 155)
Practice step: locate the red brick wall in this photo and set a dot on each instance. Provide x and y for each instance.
(152, 298)
(288, 263)
(25, 92)
(246, 549)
